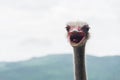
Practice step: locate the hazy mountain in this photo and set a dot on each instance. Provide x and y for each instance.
(60, 67)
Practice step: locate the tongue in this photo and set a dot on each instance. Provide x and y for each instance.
(75, 40)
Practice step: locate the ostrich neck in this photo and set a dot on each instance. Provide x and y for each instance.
(79, 58)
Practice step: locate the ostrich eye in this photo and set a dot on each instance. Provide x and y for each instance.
(85, 28)
(68, 28)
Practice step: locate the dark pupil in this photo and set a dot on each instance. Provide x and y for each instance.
(85, 28)
(68, 28)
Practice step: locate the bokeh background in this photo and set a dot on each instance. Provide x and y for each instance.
(33, 28)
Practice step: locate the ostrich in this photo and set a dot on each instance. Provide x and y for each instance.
(77, 34)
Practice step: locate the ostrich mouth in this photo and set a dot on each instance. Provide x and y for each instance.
(76, 37)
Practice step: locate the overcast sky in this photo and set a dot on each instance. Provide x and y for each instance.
(32, 28)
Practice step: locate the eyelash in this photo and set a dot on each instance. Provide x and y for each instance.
(85, 28)
(68, 28)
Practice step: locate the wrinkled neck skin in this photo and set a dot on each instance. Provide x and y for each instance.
(79, 61)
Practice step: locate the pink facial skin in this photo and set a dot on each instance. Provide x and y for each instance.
(77, 36)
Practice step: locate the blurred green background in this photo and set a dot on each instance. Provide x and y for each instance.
(60, 67)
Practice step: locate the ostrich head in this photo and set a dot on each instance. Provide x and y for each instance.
(77, 33)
